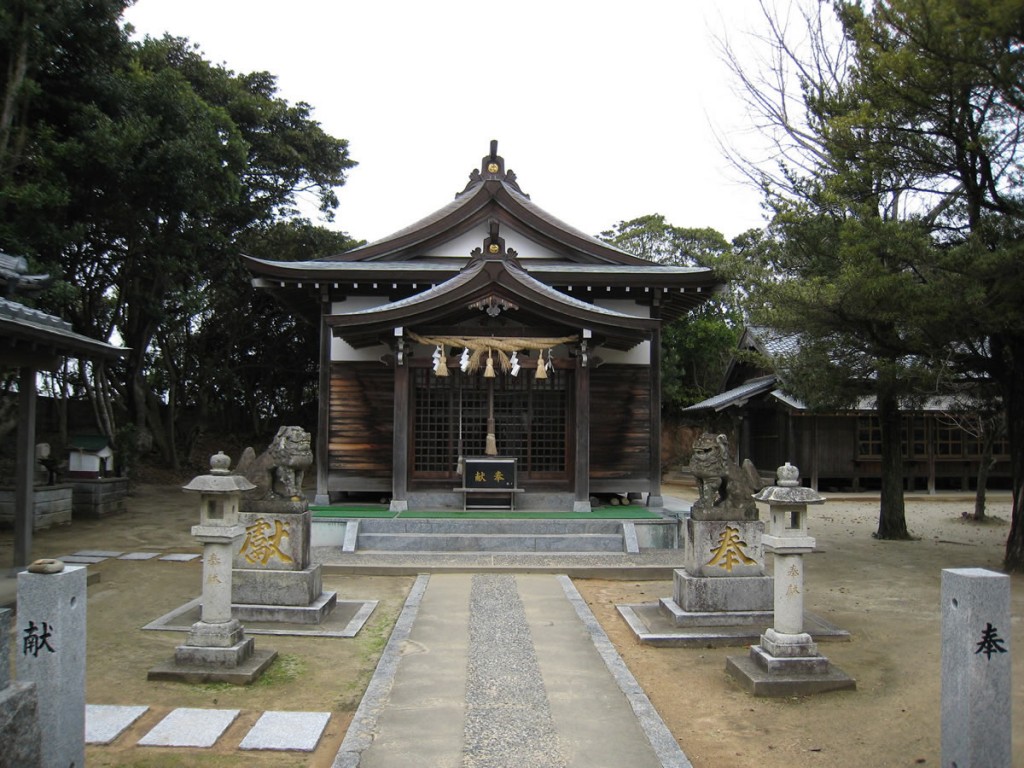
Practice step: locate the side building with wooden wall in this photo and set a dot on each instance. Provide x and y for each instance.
(843, 450)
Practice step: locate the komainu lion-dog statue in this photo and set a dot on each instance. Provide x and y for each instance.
(279, 470)
(725, 489)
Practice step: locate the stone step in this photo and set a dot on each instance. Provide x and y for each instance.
(490, 542)
(496, 526)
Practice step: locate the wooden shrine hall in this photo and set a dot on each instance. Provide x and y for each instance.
(489, 329)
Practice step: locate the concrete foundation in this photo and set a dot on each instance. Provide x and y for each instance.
(98, 498)
(52, 506)
(274, 587)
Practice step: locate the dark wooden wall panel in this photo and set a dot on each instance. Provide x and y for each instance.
(837, 445)
(360, 420)
(620, 419)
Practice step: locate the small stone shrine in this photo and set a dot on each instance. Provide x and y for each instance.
(723, 580)
(787, 662)
(216, 649)
(273, 577)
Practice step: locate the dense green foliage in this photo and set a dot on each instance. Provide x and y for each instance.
(896, 243)
(136, 173)
(696, 349)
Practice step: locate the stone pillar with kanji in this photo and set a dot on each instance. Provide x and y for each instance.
(50, 653)
(787, 662)
(977, 669)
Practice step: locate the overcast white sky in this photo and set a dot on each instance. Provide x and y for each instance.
(603, 109)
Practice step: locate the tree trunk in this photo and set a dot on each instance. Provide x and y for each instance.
(17, 71)
(1013, 387)
(892, 520)
(984, 467)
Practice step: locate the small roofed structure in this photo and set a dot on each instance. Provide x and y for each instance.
(33, 341)
(90, 456)
(488, 328)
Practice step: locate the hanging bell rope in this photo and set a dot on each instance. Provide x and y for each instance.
(477, 346)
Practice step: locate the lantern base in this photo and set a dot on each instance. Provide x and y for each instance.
(247, 671)
(762, 674)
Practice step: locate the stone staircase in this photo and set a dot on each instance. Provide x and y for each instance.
(492, 536)
(582, 548)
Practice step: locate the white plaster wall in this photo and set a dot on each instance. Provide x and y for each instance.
(460, 247)
(638, 355)
(341, 350)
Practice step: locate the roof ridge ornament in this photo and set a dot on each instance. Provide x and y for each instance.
(492, 168)
(15, 279)
(494, 247)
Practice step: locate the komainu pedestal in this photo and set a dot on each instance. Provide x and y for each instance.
(273, 578)
(723, 581)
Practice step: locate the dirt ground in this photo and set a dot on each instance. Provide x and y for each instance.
(885, 593)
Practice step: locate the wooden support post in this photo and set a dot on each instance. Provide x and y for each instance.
(323, 418)
(24, 474)
(654, 498)
(582, 484)
(400, 444)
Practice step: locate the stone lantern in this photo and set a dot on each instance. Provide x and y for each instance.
(788, 541)
(216, 649)
(787, 661)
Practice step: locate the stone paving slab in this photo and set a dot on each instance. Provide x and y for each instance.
(189, 727)
(97, 553)
(299, 731)
(180, 557)
(81, 559)
(139, 556)
(105, 722)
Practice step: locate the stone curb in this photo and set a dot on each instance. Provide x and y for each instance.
(361, 730)
(661, 739)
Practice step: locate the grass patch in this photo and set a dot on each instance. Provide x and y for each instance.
(350, 512)
(286, 668)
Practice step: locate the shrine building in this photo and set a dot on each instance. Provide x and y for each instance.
(488, 329)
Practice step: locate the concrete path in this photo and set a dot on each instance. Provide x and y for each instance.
(503, 671)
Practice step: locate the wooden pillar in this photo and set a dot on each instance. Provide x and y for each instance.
(815, 452)
(400, 442)
(581, 502)
(929, 445)
(654, 498)
(24, 473)
(323, 418)
(743, 450)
